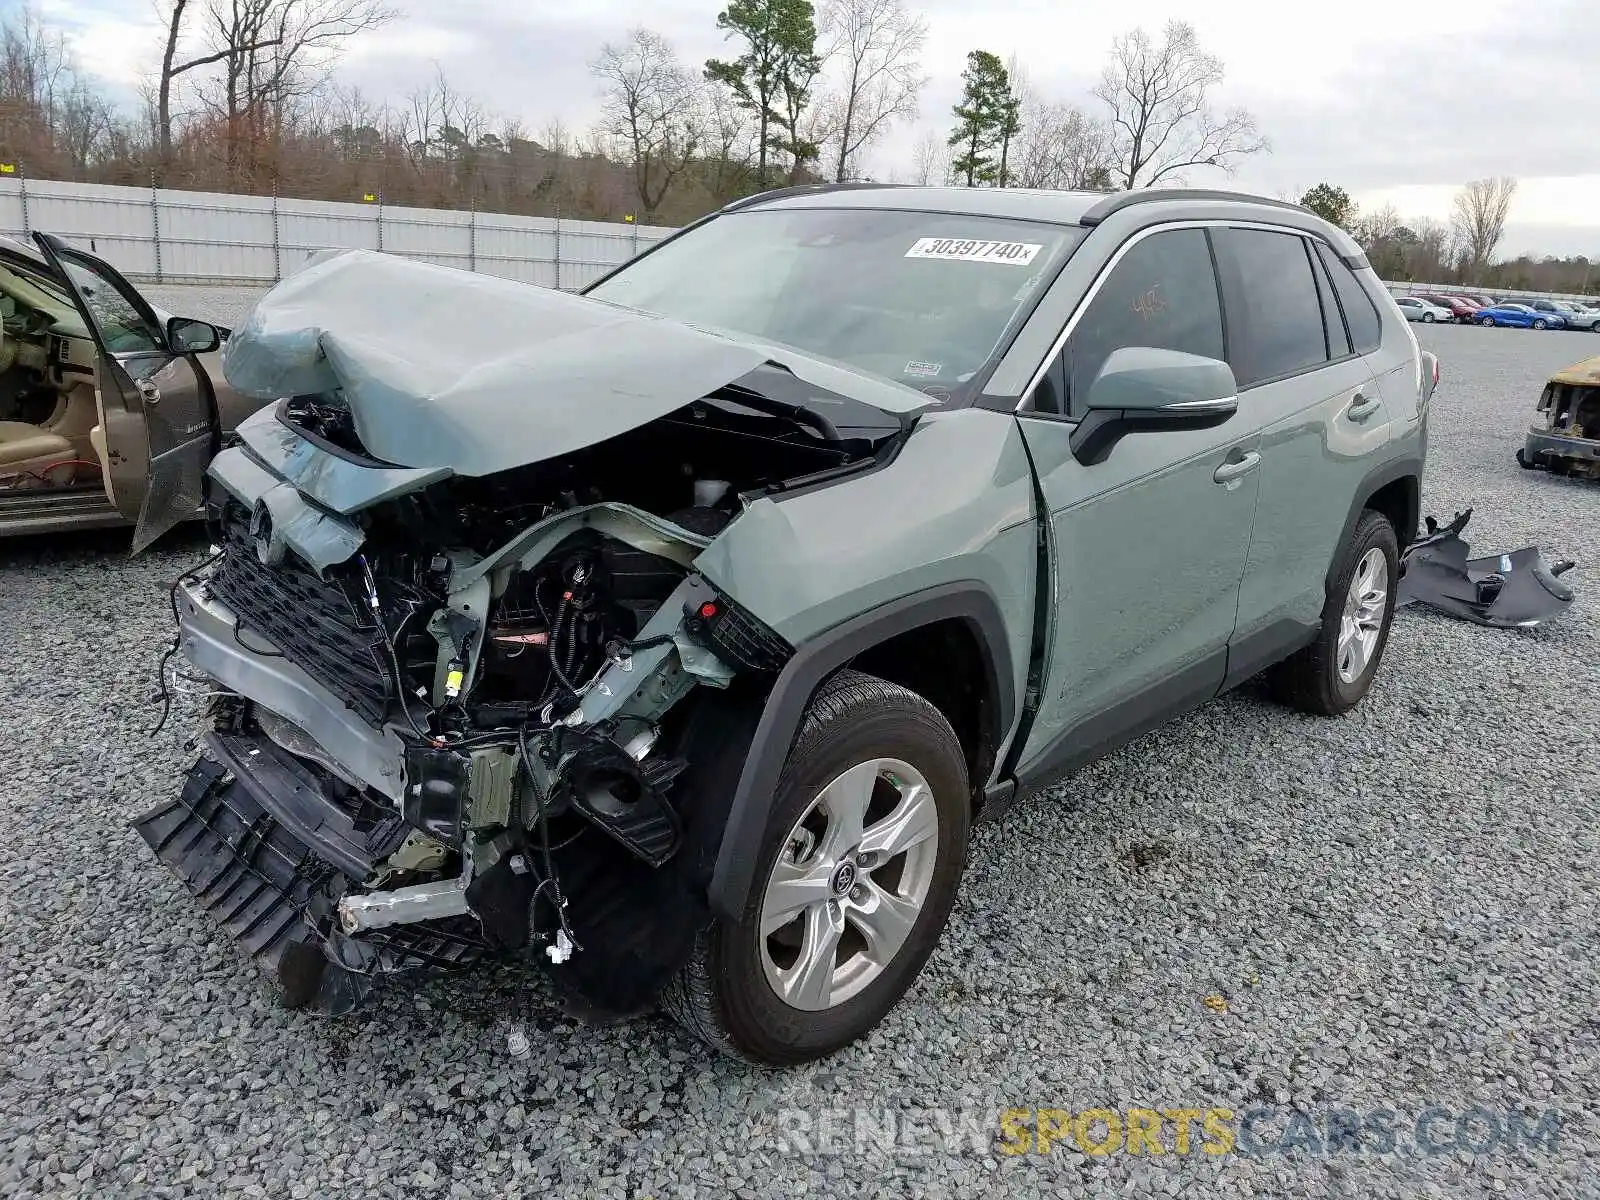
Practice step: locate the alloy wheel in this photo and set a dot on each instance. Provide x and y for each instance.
(1362, 622)
(849, 883)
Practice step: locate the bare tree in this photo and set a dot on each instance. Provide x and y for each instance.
(930, 160)
(650, 106)
(878, 44)
(1378, 226)
(1426, 257)
(1156, 101)
(36, 73)
(1060, 147)
(1478, 219)
(269, 52)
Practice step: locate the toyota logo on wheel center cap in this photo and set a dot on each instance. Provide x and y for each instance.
(844, 877)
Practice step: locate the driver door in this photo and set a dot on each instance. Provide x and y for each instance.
(156, 408)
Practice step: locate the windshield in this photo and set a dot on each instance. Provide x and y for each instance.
(23, 291)
(922, 298)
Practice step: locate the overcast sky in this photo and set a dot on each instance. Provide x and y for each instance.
(1397, 102)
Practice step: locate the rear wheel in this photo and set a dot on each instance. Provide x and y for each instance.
(1427, 318)
(854, 881)
(1331, 675)
(1485, 320)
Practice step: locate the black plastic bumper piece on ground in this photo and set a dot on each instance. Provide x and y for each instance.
(235, 847)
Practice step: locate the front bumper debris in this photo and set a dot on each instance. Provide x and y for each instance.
(1515, 590)
(269, 854)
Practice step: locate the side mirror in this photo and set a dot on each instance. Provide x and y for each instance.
(188, 336)
(1143, 389)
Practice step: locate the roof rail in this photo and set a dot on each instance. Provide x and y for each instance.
(801, 189)
(1121, 200)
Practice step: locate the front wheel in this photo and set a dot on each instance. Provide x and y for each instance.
(1541, 325)
(854, 882)
(1427, 318)
(1331, 675)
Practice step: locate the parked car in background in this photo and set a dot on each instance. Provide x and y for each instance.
(1519, 316)
(1415, 308)
(1480, 300)
(1565, 310)
(103, 397)
(1461, 309)
(1579, 316)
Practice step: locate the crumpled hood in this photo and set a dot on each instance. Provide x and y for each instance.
(443, 368)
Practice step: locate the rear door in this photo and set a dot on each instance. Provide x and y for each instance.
(156, 408)
(1308, 384)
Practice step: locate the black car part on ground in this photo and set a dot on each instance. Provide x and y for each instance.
(1515, 590)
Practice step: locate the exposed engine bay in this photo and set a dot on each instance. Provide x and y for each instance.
(533, 650)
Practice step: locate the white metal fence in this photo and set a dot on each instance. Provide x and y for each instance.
(166, 236)
(1496, 293)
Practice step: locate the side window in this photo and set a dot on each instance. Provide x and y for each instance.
(1162, 293)
(121, 326)
(1360, 314)
(1274, 310)
(1332, 319)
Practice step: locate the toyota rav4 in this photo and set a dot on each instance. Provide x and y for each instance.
(674, 634)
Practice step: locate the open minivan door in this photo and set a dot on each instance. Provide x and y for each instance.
(158, 418)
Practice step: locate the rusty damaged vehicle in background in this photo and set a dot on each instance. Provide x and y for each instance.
(107, 403)
(1565, 436)
(674, 634)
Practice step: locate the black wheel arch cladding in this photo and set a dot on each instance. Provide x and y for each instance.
(1407, 471)
(813, 661)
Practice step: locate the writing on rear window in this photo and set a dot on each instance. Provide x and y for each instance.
(1016, 254)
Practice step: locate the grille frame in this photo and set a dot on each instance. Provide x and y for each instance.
(315, 623)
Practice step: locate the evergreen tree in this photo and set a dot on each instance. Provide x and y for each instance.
(773, 77)
(987, 118)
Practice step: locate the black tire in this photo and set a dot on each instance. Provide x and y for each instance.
(1309, 679)
(1487, 322)
(722, 995)
(1541, 323)
(1427, 318)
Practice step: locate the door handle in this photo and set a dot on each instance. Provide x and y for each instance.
(1238, 468)
(1362, 407)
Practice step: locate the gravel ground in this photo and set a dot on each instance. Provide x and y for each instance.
(1249, 909)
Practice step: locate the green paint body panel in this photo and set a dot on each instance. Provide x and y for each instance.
(954, 505)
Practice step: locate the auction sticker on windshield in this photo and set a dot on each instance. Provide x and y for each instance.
(1016, 254)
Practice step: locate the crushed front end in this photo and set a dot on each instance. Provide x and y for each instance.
(460, 740)
(473, 693)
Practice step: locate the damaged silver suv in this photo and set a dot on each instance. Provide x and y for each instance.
(673, 635)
